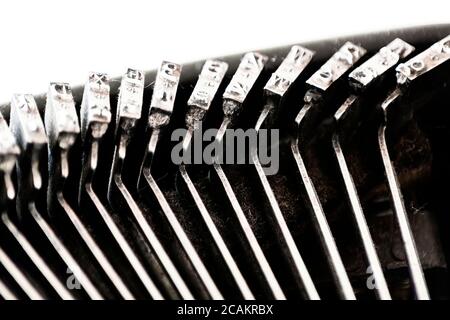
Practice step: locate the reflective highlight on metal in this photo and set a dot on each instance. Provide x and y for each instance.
(336, 66)
(290, 68)
(204, 91)
(424, 62)
(378, 64)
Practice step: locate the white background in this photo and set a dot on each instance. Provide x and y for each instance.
(43, 41)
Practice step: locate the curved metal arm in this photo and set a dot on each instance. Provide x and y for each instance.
(300, 266)
(415, 267)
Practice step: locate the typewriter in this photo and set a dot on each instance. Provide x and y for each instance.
(312, 171)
